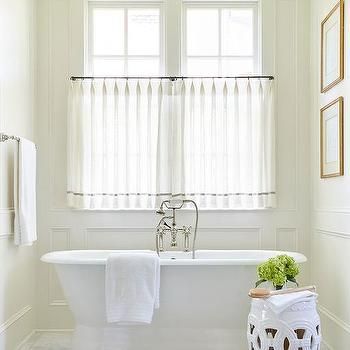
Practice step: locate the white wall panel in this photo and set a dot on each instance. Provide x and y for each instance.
(330, 199)
(17, 105)
(60, 55)
(286, 73)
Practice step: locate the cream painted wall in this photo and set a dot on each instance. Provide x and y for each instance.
(17, 96)
(60, 54)
(331, 200)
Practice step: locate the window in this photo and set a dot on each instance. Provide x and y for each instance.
(220, 40)
(125, 39)
(134, 142)
(128, 38)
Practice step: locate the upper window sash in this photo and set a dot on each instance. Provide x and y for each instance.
(212, 4)
(124, 5)
(172, 28)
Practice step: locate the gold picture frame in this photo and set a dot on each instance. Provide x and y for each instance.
(332, 48)
(332, 139)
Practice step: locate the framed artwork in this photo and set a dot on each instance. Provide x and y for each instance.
(332, 48)
(331, 139)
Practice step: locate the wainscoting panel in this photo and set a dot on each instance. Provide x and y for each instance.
(59, 238)
(120, 238)
(287, 239)
(330, 255)
(229, 238)
(144, 238)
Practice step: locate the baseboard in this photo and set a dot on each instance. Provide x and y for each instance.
(54, 330)
(14, 318)
(334, 318)
(17, 329)
(26, 339)
(335, 331)
(325, 346)
(34, 332)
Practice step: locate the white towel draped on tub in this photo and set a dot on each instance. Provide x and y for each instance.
(25, 193)
(132, 287)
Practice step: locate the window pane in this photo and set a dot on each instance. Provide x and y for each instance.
(108, 31)
(237, 32)
(143, 66)
(143, 32)
(202, 66)
(108, 67)
(237, 66)
(202, 32)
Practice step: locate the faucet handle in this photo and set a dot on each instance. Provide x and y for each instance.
(160, 239)
(161, 230)
(186, 231)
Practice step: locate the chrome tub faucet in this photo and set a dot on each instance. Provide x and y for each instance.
(167, 225)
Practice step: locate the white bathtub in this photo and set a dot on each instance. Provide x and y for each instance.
(203, 302)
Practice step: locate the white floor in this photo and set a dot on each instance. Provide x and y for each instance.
(49, 341)
(59, 341)
(42, 340)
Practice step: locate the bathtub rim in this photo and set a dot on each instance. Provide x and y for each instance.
(66, 257)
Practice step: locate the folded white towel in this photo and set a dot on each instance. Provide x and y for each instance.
(25, 193)
(279, 303)
(132, 287)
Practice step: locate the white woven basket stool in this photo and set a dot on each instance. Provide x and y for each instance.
(296, 328)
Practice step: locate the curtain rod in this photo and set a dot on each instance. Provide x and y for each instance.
(269, 77)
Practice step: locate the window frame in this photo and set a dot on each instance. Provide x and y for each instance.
(172, 54)
(220, 5)
(124, 5)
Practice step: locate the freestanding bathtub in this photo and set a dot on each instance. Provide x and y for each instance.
(203, 301)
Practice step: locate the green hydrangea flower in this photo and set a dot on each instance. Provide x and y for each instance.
(290, 266)
(278, 270)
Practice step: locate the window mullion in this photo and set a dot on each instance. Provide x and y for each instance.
(89, 64)
(173, 37)
(257, 39)
(126, 45)
(220, 41)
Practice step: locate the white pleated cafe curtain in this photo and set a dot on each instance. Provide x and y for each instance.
(135, 142)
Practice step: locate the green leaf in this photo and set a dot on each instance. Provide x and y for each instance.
(293, 280)
(259, 282)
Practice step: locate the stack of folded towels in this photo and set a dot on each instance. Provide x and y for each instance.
(132, 287)
(280, 303)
